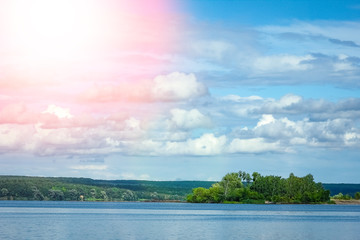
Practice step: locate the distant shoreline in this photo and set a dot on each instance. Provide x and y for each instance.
(75, 189)
(346, 202)
(336, 202)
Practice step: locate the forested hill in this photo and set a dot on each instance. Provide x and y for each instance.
(344, 188)
(47, 188)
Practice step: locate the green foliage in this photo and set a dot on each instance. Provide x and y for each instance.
(231, 182)
(229, 189)
(357, 195)
(341, 196)
(77, 189)
(234, 187)
(260, 188)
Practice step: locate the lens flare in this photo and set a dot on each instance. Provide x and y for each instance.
(45, 40)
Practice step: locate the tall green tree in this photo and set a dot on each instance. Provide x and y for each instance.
(230, 182)
(357, 195)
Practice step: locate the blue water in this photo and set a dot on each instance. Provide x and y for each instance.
(94, 220)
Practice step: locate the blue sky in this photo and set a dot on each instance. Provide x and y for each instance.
(199, 89)
(262, 12)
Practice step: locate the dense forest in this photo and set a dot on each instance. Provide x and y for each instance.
(344, 188)
(242, 187)
(86, 189)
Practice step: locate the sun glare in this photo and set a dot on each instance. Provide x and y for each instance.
(57, 41)
(52, 28)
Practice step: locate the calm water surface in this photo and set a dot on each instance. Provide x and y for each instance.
(89, 220)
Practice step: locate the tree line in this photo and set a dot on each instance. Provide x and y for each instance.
(245, 188)
(68, 189)
(236, 187)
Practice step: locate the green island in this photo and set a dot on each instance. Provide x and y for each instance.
(238, 187)
(261, 189)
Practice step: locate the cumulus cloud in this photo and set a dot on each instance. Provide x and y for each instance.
(284, 104)
(247, 106)
(294, 121)
(207, 144)
(330, 133)
(58, 111)
(265, 125)
(193, 118)
(265, 119)
(74, 137)
(175, 86)
(352, 138)
(52, 117)
(14, 137)
(294, 105)
(254, 145)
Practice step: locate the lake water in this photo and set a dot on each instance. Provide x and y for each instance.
(100, 220)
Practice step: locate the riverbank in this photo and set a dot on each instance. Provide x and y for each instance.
(335, 201)
(346, 202)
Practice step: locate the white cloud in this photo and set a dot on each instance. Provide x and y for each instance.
(112, 142)
(58, 111)
(298, 141)
(89, 167)
(207, 144)
(14, 137)
(236, 98)
(278, 129)
(177, 86)
(254, 145)
(327, 29)
(213, 49)
(343, 66)
(284, 105)
(132, 124)
(329, 134)
(352, 138)
(60, 136)
(265, 119)
(264, 127)
(288, 100)
(281, 63)
(189, 119)
(172, 87)
(133, 176)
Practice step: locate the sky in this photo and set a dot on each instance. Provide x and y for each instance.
(180, 90)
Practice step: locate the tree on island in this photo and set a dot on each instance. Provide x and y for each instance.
(357, 195)
(258, 189)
